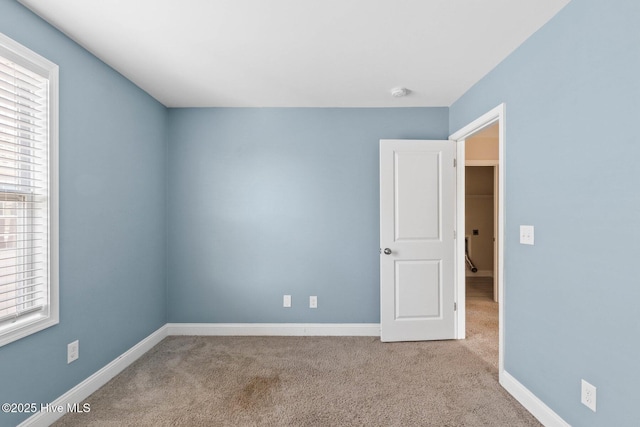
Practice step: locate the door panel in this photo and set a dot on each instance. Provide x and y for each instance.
(416, 185)
(414, 301)
(417, 218)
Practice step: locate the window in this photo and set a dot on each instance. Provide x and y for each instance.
(28, 192)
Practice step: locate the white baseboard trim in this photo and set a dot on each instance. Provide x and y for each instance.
(530, 401)
(275, 329)
(95, 381)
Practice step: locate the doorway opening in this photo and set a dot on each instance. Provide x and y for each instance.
(481, 224)
(480, 145)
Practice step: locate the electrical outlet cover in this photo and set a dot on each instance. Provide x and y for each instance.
(588, 395)
(73, 351)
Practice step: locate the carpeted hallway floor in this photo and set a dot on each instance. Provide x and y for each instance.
(311, 381)
(482, 320)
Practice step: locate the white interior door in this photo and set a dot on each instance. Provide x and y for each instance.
(417, 256)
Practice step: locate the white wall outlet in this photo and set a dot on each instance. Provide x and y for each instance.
(588, 396)
(313, 301)
(526, 234)
(73, 351)
(286, 301)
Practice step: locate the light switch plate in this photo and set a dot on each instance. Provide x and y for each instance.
(526, 234)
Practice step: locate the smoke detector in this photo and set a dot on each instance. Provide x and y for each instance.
(399, 92)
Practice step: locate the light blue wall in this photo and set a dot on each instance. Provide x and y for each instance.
(112, 221)
(572, 95)
(267, 202)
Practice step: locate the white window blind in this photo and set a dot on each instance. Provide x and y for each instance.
(26, 294)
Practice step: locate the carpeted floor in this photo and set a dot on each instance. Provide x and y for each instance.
(482, 320)
(304, 381)
(313, 381)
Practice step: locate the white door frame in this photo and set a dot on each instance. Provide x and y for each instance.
(496, 115)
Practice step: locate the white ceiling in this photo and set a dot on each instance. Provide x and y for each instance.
(300, 53)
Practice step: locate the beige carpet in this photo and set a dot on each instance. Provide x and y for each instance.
(482, 320)
(304, 381)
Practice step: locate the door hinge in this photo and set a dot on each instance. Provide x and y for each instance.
(455, 306)
(455, 163)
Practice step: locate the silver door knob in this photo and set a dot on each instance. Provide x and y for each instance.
(387, 251)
